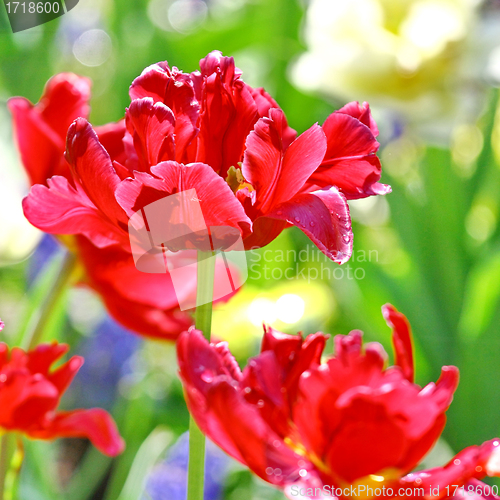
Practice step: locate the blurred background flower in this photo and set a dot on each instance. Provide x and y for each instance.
(426, 59)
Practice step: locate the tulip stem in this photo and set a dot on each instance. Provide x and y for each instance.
(43, 314)
(203, 322)
(6, 454)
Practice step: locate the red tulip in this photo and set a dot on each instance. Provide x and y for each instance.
(40, 130)
(30, 392)
(210, 132)
(350, 421)
(146, 304)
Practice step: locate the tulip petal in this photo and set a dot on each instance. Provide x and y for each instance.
(174, 89)
(211, 380)
(152, 127)
(94, 170)
(62, 209)
(350, 163)
(111, 138)
(362, 113)
(95, 424)
(402, 340)
(218, 203)
(40, 130)
(324, 217)
(264, 103)
(227, 115)
(471, 463)
(276, 174)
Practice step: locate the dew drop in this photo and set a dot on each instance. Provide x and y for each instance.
(207, 376)
(303, 473)
(456, 461)
(279, 212)
(3, 377)
(247, 390)
(311, 224)
(297, 219)
(277, 471)
(269, 471)
(260, 403)
(346, 239)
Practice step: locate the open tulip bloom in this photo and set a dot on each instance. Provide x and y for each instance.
(346, 427)
(205, 132)
(30, 392)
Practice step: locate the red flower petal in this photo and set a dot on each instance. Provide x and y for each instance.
(264, 103)
(277, 174)
(227, 115)
(175, 90)
(40, 130)
(111, 138)
(401, 338)
(144, 303)
(214, 400)
(362, 113)
(94, 424)
(350, 162)
(61, 209)
(474, 462)
(152, 127)
(94, 170)
(324, 217)
(219, 207)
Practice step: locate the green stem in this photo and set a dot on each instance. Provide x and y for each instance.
(43, 314)
(6, 453)
(203, 322)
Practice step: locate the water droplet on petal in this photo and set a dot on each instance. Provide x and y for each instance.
(247, 390)
(346, 238)
(302, 473)
(297, 219)
(260, 403)
(277, 471)
(269, 471)
(456, 461)
(3, 377)
(207, 376)
(279, 212)
(311, 224)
